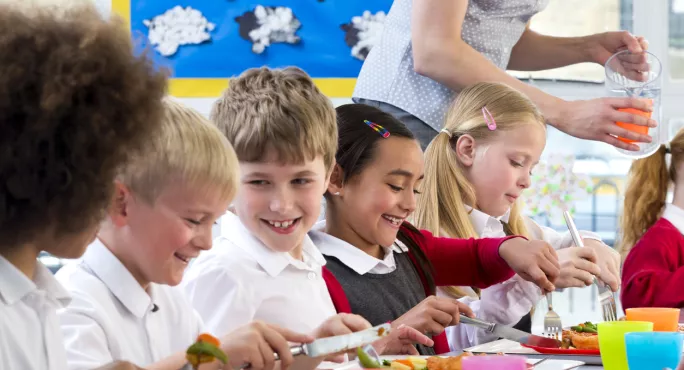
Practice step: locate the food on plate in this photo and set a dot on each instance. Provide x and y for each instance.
(583, 336)
(430, 363)
(447, 363)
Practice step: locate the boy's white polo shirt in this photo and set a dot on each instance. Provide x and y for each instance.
(240, 280)
(29, 327)
(111, 317)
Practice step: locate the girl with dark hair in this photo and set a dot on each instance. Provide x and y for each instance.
(380, 266)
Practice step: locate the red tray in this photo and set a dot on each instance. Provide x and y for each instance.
(561, 351)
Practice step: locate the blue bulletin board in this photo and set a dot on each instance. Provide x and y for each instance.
(322, 48)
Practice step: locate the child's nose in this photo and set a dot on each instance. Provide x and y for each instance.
(281, 202)
(408, 202)
(204, 239)
(525, 181)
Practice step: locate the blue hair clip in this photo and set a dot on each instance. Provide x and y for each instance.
(380, 130)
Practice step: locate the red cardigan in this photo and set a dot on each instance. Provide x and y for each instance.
(653, 273)
(464, 262)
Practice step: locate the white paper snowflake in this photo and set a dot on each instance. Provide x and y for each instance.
(555, 188)
(178, 26)
(363, 32)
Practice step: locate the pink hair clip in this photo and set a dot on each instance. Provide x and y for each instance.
(489, 119)
(381, 130)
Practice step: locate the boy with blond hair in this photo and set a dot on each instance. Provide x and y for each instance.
(125, 305)
(265, 266)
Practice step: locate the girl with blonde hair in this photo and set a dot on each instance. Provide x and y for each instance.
(475, 170)
(652, 240)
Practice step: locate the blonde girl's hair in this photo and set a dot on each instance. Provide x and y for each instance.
(441, 208)
(647, 184)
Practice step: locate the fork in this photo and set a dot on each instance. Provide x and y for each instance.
(552, 322)
(605, 295)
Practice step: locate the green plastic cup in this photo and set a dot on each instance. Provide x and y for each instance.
(612, 341)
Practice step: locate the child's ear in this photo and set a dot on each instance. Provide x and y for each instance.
(335, 186)
(118, 209)
(465, 150)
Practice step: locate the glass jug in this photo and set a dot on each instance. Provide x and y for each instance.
(621, 81)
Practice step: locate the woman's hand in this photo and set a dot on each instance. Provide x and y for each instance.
(595, 120)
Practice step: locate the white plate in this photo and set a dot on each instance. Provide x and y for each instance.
(549, 364)
(514, 348)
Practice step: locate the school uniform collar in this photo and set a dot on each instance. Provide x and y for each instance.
(271, 261)
(675, 215)
(116, 277)
(14, 285)
(482, 221)
(352, 257)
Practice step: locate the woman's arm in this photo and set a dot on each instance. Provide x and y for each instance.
(440, 54)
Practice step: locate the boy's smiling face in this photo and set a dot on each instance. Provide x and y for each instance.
(279, 203)
(157, 241)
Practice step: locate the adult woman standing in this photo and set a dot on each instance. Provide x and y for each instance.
(431, 49)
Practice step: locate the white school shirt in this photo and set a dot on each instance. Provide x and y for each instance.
(111, 317)
(353, 257)
(504, 303)
(240, 280)
(675, 215)
(29, 327)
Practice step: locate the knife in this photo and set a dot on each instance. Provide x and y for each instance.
(340, 343)
(507, 332)
(574, 233)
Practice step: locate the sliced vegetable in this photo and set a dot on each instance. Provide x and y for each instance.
(386, 363)
(396, 365)
(366, 361)
(406, 362)
(418, 363)
(204, 352)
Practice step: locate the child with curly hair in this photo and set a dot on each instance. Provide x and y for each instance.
(75, 104)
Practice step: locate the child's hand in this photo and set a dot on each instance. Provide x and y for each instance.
(402, 341)
(340, 324)
(608, 260)
(578, 267)
(433, 314)
(255, 344)
(533, 260)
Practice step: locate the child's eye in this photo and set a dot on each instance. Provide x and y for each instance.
(516, 164)
(194, 222)
(301, 181)
(395, 188)
(417, 192)
(258, 182)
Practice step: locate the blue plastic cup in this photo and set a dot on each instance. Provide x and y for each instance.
(653, 350)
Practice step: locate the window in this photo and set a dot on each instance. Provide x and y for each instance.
(676, 39)
(568, 18)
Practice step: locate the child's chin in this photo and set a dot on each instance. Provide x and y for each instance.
(387, 240)
(173, 279)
